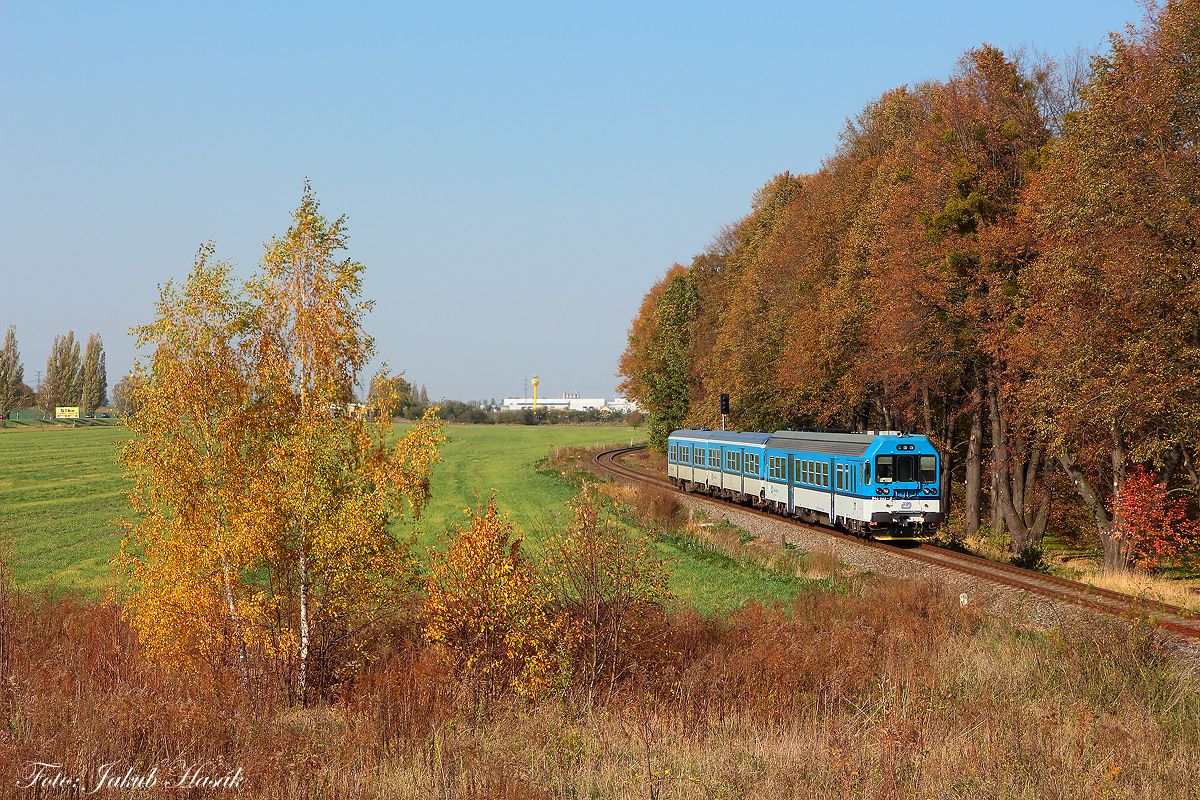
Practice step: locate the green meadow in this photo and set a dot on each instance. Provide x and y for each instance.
(62, 499)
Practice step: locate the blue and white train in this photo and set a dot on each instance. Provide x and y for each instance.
(880, 483)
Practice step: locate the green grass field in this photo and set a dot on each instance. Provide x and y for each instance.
(62, 494)
(62, 498)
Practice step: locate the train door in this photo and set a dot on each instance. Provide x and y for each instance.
(791, 489)
(833, 479)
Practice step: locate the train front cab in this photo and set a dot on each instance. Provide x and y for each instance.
(903, 487)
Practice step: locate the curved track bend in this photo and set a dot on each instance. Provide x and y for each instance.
(1177, 620)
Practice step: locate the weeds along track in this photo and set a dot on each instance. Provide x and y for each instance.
(1170, 618)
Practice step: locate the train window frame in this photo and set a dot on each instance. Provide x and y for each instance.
(825, 474)
(866, 472)
(714, 458)
(906, 462)
(752, 464)
(921, 468)
(885, 475)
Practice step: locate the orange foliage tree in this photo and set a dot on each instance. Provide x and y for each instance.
(1111, 333)
(486, 606)
(957, 269)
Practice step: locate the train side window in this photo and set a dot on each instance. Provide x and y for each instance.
(866, 472)
(928, 469)
(885, 469)
(905, 468)
(825, 475)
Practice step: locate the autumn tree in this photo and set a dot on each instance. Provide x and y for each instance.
(655, 365)
(205, 518)
(122, 396)
(485, 605)
(274, 544)
(1153, 527)
(12, 374)
(1111, 338)
(338, 483)
(744, 334)
(388, 393)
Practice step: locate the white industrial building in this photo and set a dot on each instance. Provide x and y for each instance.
(570, 402)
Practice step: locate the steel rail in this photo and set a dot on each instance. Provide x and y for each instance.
(1171, 618)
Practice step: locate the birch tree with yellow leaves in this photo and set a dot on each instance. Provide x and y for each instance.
(196, 459)
(263, 536)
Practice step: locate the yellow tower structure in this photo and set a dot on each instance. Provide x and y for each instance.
(535, 383)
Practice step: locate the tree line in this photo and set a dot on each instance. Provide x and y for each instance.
(1005, 260)
(70, 378)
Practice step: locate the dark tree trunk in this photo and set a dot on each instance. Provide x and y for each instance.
(1115, 558)
(974, 464)
(1023, 503)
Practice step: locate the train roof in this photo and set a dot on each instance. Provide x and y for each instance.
(838, 444)
(742, 437)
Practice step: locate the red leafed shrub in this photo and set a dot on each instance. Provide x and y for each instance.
(1153, 527)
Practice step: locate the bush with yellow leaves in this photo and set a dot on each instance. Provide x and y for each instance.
(485, 605)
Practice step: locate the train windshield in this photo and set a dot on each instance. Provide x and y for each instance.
(928, 469)
(885, 469)
(904, 469)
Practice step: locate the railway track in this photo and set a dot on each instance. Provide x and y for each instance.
(1170, 618)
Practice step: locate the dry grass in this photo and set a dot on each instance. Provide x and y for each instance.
(893, 691)
(1152, 587)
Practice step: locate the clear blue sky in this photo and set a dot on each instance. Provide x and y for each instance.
(516, 175)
